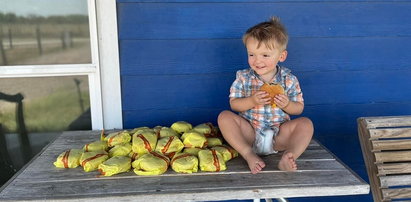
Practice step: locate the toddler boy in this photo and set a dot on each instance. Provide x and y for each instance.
(260, 128)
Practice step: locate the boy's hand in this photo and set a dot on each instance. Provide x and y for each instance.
(281, 101)
(261, 98)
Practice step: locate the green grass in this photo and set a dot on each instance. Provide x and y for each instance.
(52, 113)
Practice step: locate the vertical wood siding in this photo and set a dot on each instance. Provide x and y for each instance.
(178, 59)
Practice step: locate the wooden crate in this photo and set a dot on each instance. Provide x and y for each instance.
(386, 148)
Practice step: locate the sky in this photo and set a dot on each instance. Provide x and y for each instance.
(44, 7)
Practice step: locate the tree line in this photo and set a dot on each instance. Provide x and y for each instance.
(16, 19)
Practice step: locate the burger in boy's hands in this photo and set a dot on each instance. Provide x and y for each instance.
(272, 90)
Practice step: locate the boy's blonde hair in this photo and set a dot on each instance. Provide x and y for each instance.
(271, 33)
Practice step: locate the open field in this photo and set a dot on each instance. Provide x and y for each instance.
(22, 44)
(26, 52)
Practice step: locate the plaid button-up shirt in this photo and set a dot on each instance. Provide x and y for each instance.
(265, 116)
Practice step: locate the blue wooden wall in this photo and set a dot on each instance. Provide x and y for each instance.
(353, 58)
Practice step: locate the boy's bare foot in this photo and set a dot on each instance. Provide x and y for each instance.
(255, 163)
(287, 162)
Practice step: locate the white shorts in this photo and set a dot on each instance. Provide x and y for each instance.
(264, 141)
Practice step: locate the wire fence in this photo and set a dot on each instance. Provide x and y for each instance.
(23, 41)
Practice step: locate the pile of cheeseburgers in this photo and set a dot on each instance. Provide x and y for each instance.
(151, 151)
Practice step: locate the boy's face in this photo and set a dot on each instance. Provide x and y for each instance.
(264, 60)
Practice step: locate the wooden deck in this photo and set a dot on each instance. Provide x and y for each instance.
(319, 174)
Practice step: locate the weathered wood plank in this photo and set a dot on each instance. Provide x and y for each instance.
(388, 121)
(394, 156)
(181, 196)
(231, 184)
(159, 21)
(229, 1)
(311, 153)
(244, 194)
(211, 91)
(36, 171)
(394, 168)
(379, 145)
(330, 124)
(369, 158)
(77, 139)
(396, 193)
(390, 133)
(395, 180)
(141, 62)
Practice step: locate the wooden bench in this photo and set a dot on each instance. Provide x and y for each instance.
(319, 174)
(386, 148)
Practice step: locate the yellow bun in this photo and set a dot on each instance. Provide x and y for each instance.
(272, 90)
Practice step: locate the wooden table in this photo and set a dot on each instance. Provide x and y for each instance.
(319, 174)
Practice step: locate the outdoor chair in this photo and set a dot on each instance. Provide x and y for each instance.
(386, 148)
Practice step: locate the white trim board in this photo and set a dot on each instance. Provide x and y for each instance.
(109, 64)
